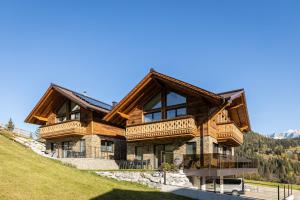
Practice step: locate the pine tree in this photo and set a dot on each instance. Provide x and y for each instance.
(10, 125)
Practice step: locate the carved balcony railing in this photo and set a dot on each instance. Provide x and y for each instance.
(160, 129)
(230, 133)
(67, 128)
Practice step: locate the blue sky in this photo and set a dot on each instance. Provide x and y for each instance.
(106, 47)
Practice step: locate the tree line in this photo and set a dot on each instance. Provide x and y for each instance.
(278, 160)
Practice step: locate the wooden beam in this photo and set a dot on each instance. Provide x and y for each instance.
(244, 127)
(236, 106)
(123, 115)
(41, 118)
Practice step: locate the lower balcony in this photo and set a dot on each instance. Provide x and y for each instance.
(67, 128)
(230, 134)
(162, 129)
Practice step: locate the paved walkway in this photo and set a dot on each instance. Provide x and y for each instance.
(256, 192)
(263, 192)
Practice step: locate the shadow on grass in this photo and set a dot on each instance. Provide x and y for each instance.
(117, 194)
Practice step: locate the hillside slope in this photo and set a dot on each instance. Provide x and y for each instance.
(25, 175)
(279, 160)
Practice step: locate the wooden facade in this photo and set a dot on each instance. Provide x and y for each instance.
(159, 114)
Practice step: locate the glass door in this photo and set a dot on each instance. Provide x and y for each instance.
(66, 147)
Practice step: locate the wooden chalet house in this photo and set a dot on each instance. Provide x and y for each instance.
(72, 125)
(161, 120)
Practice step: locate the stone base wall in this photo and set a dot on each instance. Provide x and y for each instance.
(154, 179)
(92, 146)
(148, 148)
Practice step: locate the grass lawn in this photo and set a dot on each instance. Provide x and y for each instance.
(25, 175)
(270, 184)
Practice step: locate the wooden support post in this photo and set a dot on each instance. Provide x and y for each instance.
(165, 177)
(284, 192)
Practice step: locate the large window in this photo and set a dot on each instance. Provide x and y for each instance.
(107, 146)
(68, 111)
(175, 99)
(152, 109)
(165, 106)
(154, 103)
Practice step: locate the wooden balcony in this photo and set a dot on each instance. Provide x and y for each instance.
(229, 133)
(67, 128)
(162, 129)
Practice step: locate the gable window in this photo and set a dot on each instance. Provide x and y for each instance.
(165, 106)
(68, 111)
(175, 99)
(62, 113)
(155, 116)
(154, 103)
(152, 109)
(177, 112)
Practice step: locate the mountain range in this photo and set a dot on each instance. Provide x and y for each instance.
(286, 135)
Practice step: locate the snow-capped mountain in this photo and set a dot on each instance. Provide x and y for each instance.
(286, 135)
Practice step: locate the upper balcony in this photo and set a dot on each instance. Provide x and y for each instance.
(184, 126)
(229, 133)
(67, 128)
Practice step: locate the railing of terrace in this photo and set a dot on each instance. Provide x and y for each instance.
(64, 151)
(217, 161)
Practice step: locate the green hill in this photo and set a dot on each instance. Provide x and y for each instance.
(25, 175)
(278, 160)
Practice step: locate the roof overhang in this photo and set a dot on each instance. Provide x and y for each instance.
(144, 86)
(237, 107)
(52, 98)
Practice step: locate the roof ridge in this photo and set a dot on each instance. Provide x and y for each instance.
(207, 91)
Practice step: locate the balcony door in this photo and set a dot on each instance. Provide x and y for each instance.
(158, 152)
(163, 153)
(66, 148)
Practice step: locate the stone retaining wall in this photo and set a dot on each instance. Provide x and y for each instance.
(151, 179)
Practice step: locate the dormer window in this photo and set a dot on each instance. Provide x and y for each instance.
(165, 106)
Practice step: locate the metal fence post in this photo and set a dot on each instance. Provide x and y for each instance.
(278, 192)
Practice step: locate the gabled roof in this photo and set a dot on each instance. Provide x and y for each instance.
(154, 75)
(53, 92)
(87, 101)
(238, 106)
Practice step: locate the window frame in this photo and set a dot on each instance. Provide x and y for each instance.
(106, 146)
(136, 153)
(68, 112)
(194, 148)
(164, 108)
